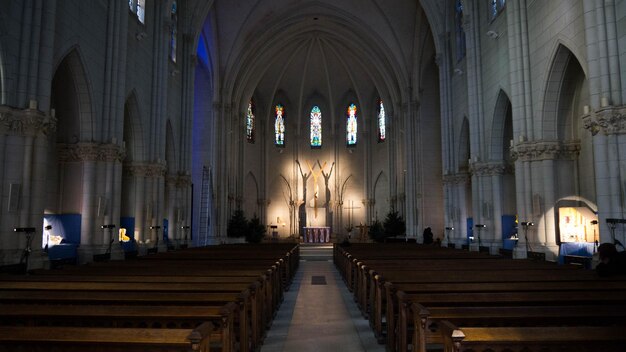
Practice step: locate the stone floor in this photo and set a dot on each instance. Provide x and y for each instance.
(319, 313)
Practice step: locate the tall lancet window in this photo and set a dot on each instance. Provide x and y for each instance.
(173, 31)
(138, 8)
(141, 11)
(316, 127)
(381, 121)
(250, 122)
(279, 126)
(460, 32)
(351, 126)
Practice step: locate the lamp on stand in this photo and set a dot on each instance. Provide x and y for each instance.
(29, 232)
(155, 249)
(526, 225)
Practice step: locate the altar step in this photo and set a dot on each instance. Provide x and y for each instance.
(316, 251)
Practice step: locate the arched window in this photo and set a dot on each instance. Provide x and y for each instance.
(173, 31)
(495, 8)
(138, 8)
(460, 33)
(316, 127)
(279, 126)
(381, 121)
(351, 126)
(250, 122)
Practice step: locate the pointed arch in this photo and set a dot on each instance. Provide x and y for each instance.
(502, 128)
(133, 135)
(71, 98)
(251, 195)
(561, 93)
(381, 194)
(463, 146)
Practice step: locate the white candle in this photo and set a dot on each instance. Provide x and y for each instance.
(586, 109)
(32, 104)
(604, 102)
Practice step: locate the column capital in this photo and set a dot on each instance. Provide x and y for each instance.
(26, 122)
(609, 120)
(145, 169)
(545, 150)
(90, 151)
(456, 179)
(178, 180)
(488, 168)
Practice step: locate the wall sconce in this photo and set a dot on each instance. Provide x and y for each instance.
(493, 34)
(141, 35)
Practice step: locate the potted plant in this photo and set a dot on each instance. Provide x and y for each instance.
(256, 230)
(377, 232)
(237, 225)
(394, 225)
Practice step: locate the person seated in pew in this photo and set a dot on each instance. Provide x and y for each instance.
(612, 262)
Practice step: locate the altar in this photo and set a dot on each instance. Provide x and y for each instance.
(316, 234)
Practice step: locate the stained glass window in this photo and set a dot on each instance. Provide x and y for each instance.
(460, 33)
(173, 31)
(279, 126)
(141, 11)
(250, 122)
(495, 7)
(381, 121)
(351, 126)
(316, 127)
(138, 8)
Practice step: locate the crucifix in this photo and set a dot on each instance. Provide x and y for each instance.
(301, 208)
(316, 187)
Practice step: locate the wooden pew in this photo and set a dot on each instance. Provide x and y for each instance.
(75, 339)
(564, 338)
(468, 299)
(111, 316)
(427, 321)
(156, 293)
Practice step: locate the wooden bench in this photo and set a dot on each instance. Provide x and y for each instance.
(250, 318)
(565, 338)
(111, 316)
(77, 339)
(468, 299)
(427, 321)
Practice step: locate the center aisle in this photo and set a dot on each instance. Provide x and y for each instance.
(318, 313)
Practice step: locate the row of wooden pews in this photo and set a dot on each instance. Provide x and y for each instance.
(218, 298)
(420, 297)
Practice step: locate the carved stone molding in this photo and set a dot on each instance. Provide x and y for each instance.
(145, 169)
(456, 179)
(88, 151)
(545, 150)
(609, 120)
(179, 180)
(487, 168)
(26, 122)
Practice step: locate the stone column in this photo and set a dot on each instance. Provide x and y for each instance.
(23, 132)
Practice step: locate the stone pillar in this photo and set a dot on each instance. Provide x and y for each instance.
(608, 127)
(23, 134)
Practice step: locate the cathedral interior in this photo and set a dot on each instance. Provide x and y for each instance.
(149, 123)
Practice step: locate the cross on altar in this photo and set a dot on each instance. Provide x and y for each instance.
(351, 212)
(362, 231)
